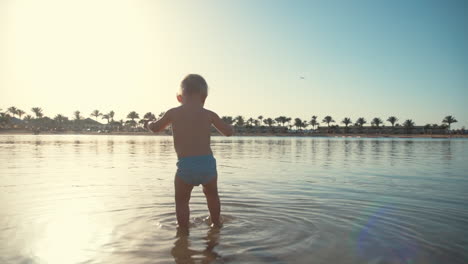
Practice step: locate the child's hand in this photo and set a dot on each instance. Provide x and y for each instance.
(160, 124)
(145, 125)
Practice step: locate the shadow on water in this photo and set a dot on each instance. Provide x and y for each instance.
(183, 254)
(447, 149)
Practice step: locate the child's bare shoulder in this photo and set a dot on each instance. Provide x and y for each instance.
(173, 111)
(170, 114)
(210, 113)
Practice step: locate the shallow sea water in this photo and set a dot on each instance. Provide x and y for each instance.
(109, 199)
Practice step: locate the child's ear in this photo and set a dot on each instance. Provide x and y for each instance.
(179, 98)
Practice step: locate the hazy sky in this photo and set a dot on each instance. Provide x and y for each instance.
(359, 58)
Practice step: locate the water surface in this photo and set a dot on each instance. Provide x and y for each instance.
(109, 199)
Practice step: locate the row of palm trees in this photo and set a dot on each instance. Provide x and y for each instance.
(132, 116)
(238, 121)
(299, 124)
(62, 119)
(15, 111)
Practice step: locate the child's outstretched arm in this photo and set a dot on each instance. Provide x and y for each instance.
(161, 124)
(221, 126)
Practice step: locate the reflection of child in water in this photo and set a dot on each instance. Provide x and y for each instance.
(191, 128)
(183, 254)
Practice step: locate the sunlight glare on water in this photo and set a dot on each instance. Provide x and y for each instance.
(109, 199)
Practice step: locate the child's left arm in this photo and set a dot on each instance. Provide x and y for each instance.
(160, 124)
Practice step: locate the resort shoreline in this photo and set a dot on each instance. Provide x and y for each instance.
(27, 132)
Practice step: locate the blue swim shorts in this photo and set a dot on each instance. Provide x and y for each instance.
(196, 170)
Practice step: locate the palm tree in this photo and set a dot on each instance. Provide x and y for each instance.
(260, 117)
(37, 111)
(77, 116)
(28, 118)
(20, 112)
(228, 119)
(392, 120)
(284, 120)
(427, 128)
(280, 120)
(161, 114)
(269, 122)
(4, 119)
(133, 115)
(408, 124)
(59, 121)
(96, 114)
(449, 120)
(60, 118)
(361, 121)
(130, 123)
(111, 115)
(443, 126)
(376, 121)
(328, 120)
(13, 110)
(298, 123)
(250, 121)
(313, 122)
(142, 122)
(149, 116)
(346, 121)
(239, 121)
(107, 117)
(287, 120)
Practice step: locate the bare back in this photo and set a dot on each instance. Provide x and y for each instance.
(191, 128)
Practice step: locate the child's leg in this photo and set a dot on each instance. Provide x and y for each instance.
(182, 198)
(212, 199)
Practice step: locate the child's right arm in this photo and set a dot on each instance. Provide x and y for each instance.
(160, 124)
(221, 126)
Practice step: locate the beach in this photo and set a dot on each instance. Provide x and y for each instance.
(243, 134)
(142, 132)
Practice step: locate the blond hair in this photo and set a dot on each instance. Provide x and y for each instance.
(194, 84)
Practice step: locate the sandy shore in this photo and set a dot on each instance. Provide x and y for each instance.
(27, 132)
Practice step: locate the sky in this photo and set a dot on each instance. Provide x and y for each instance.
(359, 58)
